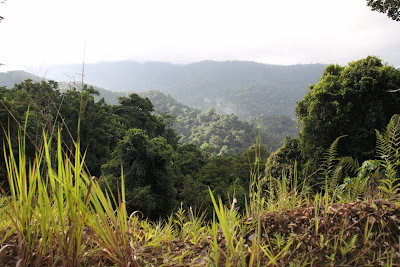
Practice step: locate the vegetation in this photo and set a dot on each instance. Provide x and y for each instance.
(10, 78)
(155, 164)
(161, 202)
(350, 101)
(71, 221)
(389, 7)
(242, 88)
(220, 134)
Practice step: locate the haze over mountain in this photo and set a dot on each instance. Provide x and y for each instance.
(10, 78)
(241, 87)
(221, 134)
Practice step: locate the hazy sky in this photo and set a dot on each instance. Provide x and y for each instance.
(44, 32)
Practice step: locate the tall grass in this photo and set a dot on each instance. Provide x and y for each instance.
(55, 208)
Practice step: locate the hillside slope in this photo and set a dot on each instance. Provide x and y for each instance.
(239, 87)
(222, 133)
(10, 78)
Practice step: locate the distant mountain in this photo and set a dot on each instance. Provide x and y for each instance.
(110, 97)
(10, 78)
(239, 87)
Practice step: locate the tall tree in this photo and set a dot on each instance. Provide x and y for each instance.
(136, 112)
(389, 7)
(354, 101)
(147, 167)
(99, 127)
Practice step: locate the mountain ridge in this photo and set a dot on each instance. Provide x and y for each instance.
(245, 88)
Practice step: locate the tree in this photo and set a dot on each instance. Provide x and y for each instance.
(147, 168)
(353, 101)
(284, 158)
(26, 100)
(228, 176)
(136, 112)
(99, 130)
(389, 7)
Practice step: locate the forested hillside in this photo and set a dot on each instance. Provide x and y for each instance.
(221, 134)
(110, 97)
(242, 88)
(160, 172)
(341, 115)
(10, 78)
(218, 134)
(76, 167)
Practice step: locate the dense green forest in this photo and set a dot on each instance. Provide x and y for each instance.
(242, 88)
(218, 134)
(121, 177)
(346, 108)
(221, 134)
(160, 172)
(156, 148)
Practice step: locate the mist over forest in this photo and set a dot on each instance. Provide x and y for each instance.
(239, 87)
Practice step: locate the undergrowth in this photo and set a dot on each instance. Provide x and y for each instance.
(55, 214)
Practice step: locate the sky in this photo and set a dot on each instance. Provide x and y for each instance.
(49, 32)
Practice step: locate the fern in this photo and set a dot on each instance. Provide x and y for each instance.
(330, 157)
(331, 166)
(349, 164)
(388, 142)
(355, 188)
(388, 148)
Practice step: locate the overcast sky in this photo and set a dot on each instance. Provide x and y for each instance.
(45, 32)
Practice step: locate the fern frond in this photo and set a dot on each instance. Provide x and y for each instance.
(330, 157)
(388, 148)
(349, 163)
(361, 186)
(335, 177)
(388, 142)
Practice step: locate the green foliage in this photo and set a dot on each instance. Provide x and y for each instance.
(330, 167)
(100, 129)
(147, 166)
(284, 158)
(221, 134)
(111, 98)
(389, 7)
(353, 100)
(52, 206)
(229, 176)
(11, 78)
(356, 188)
(31, 100)
(61, 216)
(50, 109)
(388, 153)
